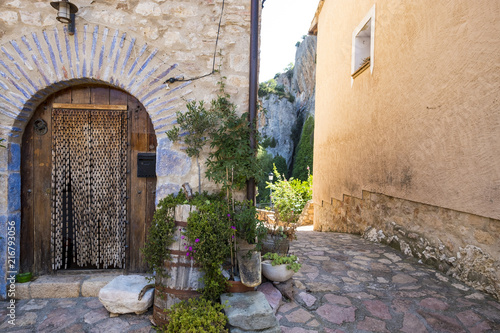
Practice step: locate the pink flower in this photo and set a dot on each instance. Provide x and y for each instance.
(187, 254)
(228, 215)
(185, 247)
(196, 240)
(232, 236)
(182, 237)
(190, 248)
(194, 251)
(233, 227)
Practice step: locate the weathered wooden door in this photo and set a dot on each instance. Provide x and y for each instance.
(80, 196)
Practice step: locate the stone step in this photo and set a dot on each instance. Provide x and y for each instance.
(65, 285)
(249, 312)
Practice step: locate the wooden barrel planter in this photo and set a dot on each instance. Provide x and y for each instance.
(184, 274)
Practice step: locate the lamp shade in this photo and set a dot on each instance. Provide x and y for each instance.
(64, 9)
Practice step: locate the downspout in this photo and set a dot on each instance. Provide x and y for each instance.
(252, 105)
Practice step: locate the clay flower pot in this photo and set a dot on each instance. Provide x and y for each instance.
(278, 273)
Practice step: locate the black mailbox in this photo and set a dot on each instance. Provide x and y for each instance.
(146, 165)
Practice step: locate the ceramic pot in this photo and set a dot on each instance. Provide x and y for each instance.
(278, 273)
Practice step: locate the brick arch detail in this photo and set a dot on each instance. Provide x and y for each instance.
(40, 63)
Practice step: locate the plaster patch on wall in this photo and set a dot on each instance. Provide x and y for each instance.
(165, 189)
(170, 162)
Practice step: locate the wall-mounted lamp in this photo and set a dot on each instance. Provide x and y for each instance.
(66, 13)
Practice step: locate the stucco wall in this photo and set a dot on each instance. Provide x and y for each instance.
(424, 126)
(132, 45)
(410, 154)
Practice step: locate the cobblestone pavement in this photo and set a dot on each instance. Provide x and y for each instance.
(72, 315)
(346, 284)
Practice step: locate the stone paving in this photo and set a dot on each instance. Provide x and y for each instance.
(346, 284)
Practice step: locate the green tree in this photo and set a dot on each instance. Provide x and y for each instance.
(304, 153)
(267, 163)
(196, 122)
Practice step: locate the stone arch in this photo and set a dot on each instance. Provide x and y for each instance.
(41, 63)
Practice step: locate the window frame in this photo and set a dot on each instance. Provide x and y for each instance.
(369, 18)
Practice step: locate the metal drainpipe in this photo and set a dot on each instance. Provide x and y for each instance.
(252, 105)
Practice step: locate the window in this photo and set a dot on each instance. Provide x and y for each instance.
(362, 44)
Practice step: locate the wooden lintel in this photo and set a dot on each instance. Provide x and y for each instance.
(89, 106)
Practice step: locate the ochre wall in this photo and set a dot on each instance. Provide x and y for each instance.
(425, 125)
(410, 154)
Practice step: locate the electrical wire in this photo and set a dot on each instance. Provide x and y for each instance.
(175, 79)
(172, 79)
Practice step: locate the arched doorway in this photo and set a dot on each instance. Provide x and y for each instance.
(85, 202)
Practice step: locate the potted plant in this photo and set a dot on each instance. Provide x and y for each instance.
(279, 268)
(280, 232)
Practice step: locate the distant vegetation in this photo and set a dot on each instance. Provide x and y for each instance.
(303, 161)
(266, 162)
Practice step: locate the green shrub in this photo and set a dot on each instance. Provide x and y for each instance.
(303, 160)
(161, 234)
(266, 162)
(269, 142)
(248, 226)
(209, 231)
(289, 260)
(290, 196)
(271, 87)
(196, 316)
(1, 145)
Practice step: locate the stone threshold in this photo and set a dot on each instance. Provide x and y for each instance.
(66, 284)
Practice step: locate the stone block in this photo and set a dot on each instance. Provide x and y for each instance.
(9, 17)
(23, 290)
(121, 295)
(272, 295)
(249, 312)
(92, 286)
(55, 287)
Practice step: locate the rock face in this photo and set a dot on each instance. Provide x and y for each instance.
(284, 118)
(250, 312)
(121, 295)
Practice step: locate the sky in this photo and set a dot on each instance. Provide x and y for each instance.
(283, 24)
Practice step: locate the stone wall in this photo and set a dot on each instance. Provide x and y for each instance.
(128, 44)
(307, 215)
(462, 245)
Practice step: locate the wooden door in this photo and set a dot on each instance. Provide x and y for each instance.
(36, 169)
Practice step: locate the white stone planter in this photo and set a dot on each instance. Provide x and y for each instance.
(278, 273)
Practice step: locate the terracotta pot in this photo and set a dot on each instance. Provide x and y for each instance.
(278, 273)
(238, 287)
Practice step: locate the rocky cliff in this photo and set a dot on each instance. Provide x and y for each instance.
(290, 103)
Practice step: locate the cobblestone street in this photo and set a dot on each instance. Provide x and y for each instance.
(346, 284)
